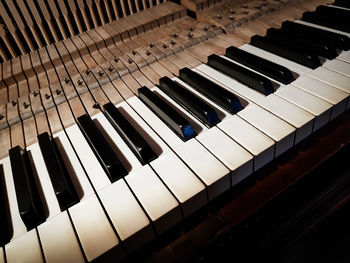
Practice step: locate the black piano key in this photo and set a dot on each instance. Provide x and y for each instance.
(59, 176)
(342, 3)
(247, 77)
(296, 43)
(129, 134)
(214, 92)
(189, 101)
(103, 151)
(337, 15)
(272, 46)
(171, 117)
(317, 35)
(324, 20)
(264, 66)
(4, 222)
(28, 199)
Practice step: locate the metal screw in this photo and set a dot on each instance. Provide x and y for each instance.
(232, 11)
(231, 17)
(172, 42)
(148, 53)
(219, 16)
(96, 105)
(129, 60)
(133, 52)
(14, 103)
(205, 28)
(47, 96)
(151, 45)
(116, 59)
(80, 82)
(165, 46)
(35, 93)
(191, 28)
(87, 71)
(66, 80)
(110, 69)
(100, 73)
(189, 35)
(25, 105)
(58, 92)
(174, 35)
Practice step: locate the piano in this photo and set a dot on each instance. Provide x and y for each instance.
(121, 122)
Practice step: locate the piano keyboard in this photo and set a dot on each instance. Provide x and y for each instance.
(124, 169)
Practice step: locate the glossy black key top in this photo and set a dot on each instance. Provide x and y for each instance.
(264, 66)
(272, 46)
(317, 35)
(129, 134)
(247, 77)
(213, 91)
(28, 199)
(4, 222)
(293, 42)
(318, 19)
(103, 151)
(171, 117)
(342, 3)
(200, 109)
(59, 176)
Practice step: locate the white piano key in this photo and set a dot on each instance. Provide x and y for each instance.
(332, 78)
(159, 203)
(128, 218)
(94, 231)
(133, 162)
(297, 68)
(316, 106)
(324, 91)
(322, 27)
(89, 161)
(207, 167)
(281, 132)
(25, 248)
(236, 158)
(257, 143)
(211, 171)
(2, 258)
(344, 56)
(73, 166)
(338, 66)
(295, 116)
(50, 199)
(58, 240)
(188, 189)
(172, 167)
(18, 226)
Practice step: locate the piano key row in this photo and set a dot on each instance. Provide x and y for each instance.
(137, 184)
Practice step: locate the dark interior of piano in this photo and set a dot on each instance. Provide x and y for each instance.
(174, 131)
